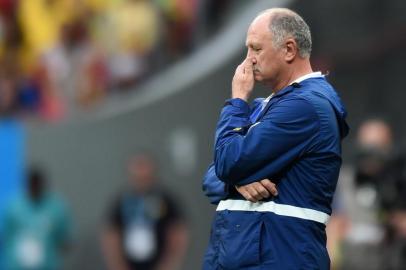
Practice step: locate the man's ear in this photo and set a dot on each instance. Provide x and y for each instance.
(291, 50)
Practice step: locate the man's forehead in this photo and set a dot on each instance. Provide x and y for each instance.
(260, 25)
(252, 40)
(257, 33)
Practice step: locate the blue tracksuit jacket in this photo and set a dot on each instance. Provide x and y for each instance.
(295, 140)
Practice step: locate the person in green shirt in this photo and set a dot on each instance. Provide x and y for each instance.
(37, 227)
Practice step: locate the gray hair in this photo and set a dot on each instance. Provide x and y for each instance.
(285, 23)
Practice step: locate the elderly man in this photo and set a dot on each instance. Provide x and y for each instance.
(293, 138)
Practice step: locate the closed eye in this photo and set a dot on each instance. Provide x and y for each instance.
(254, 48)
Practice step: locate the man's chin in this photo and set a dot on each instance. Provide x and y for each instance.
(258, 78)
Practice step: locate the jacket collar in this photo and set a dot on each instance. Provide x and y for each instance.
(297, 83)
(316, 74)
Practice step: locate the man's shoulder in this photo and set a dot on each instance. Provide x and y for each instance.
(316, 91)
(313, 85)
(297, 97)
(306, 89)
(317, 87)
(292, 107)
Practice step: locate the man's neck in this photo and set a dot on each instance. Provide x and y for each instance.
(299, 70)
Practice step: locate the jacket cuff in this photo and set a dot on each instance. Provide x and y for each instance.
(238, 103)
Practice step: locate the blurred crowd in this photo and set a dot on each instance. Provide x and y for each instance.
(57, 56)
(368, 226)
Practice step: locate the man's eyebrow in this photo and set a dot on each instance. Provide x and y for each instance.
(251, 44)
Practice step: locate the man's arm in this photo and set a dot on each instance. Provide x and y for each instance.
(64, 229)
(216, 190)
(176, 238)
(112, 249)
(111, 238)
(213, 187)
(269, 146)
(258, 191)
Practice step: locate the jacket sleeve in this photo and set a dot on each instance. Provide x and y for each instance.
(213, 187)
(245, 155)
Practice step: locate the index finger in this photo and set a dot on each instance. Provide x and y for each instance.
(247, 66)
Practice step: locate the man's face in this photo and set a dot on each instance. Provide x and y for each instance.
(267, 59)
(142, 172)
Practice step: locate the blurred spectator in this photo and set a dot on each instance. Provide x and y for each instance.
(129, 31)
(74, 69)
(11, 36)
(36, 227)
(180, 18)
(371, 201)
(18, 94)
(41, 21)
(8, 97)
(145, 229)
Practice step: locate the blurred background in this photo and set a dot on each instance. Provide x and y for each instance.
(107, 117)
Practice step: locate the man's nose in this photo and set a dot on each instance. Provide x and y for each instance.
(251, 57)
(250, 54)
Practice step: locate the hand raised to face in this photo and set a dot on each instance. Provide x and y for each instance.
(243, 80)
